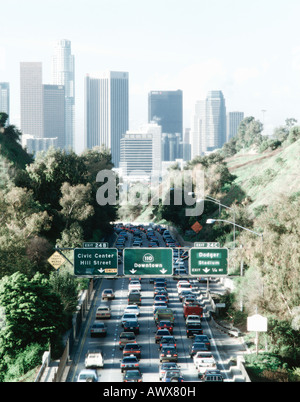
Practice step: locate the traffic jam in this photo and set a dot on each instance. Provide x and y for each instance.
(186, 294)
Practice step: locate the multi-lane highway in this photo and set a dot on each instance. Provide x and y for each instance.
(149, 363)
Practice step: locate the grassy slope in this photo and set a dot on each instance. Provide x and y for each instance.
(265, 177)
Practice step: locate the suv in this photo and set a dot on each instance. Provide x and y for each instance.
(132, 349)
(193, 329)
(126, 337)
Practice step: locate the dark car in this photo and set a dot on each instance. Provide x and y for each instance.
(167, 340)
(98, 329)
(172, 375)
(197, 347)
(165, 324)
(162, 292)
(212, 376)
(159, 333)
(168, 353)
(129, 363)
(160, 298)
(193, 329)
(133, 376)
(132, 349)
(204, 339)
(131, 326)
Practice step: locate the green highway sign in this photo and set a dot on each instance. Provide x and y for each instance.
(95, 262)
(148, 261)
(208, 261)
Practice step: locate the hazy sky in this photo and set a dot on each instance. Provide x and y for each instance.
(249, 49)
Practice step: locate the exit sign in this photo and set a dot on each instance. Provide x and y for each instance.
(95, 262)
(208, 262)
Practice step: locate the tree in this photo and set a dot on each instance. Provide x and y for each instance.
(33, 312)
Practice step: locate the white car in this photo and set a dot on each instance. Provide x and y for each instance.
(128, 317)
(134, 285)
(193, 318)
(132, 308)
(182, 282)
(87, 375)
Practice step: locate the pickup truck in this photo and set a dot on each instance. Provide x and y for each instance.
(164, 314)
(94, 359)
(134, 298)
(193, 329)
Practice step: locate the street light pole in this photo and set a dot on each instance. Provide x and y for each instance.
(212, 221)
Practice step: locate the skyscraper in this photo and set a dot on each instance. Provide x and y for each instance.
(233, 121)
(208, 131)
(63, 73)
(4, 99)
(31, 92)
(54, 113)
(165, 108)
(106, 111)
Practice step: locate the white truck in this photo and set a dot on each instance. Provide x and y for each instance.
(94, 359)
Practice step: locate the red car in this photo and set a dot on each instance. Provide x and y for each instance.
(165, 325)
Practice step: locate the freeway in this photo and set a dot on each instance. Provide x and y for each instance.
(149, 362)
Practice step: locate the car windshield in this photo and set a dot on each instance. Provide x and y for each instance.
(130, 360)
(132, 347)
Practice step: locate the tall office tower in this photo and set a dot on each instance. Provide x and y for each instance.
(54, 113)
(106, 111)
(4, 99)
(233, 121)
(63, 73)
(141, 152)
(166, 109)
(31, 92)
(208, 131)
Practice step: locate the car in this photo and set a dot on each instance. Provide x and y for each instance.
(159, 304)
(135, 284)
(172, 375)
(162, 292)
(128, 317)
(167, 340)
(132, 308)
(160, 298)
(132, 349)
(204, 339)
(168, 353)
(186, 293)
(103, 312)
(126, 337)
(136, 244)
(133, 376)
(159, 333)
(184, 286)
(98, 329)
(131, 326)
(197, 347)
(167, 366)
(212, 376)
(193, 318)
(129, 362)
(165, 324)
(87, 375)
(108, 294)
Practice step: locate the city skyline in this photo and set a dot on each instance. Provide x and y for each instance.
(197, 46)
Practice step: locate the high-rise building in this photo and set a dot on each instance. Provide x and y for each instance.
(4, 99)
(63, 73)
(106, 111)
(141, 152)
(31, 94)
(208, 131)
(166, 109)
(233, 121)
(54, 113)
